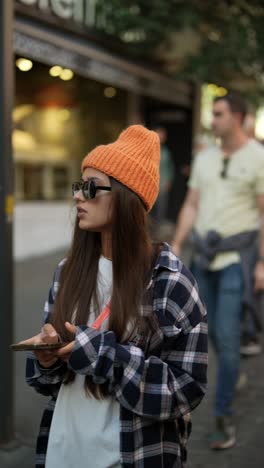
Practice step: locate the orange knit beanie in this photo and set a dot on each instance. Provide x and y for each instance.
(133, 159)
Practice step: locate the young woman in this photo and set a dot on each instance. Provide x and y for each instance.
(135, 363)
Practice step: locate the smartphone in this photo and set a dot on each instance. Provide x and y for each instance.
(37, 346)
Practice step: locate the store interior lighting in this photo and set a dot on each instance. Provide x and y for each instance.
(64, 114)
(24, 64)
(109, 92)
(55, 71)
(22, 111)
(64, 74)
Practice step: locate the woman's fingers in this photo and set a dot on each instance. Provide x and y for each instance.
(70, 327)
(49, 329)
(66, 350)
(49, 334)
(46, 358)
(33, 340)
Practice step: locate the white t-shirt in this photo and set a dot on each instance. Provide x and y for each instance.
(85, 432)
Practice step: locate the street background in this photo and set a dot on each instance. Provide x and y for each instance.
(73, 75)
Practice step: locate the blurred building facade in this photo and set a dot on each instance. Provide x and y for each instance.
(76, 89)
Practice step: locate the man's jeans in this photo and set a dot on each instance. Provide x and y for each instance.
(222, 292)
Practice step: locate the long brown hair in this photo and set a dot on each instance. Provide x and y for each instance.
(132, 255)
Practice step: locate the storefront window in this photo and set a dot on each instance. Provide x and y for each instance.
(58, 117)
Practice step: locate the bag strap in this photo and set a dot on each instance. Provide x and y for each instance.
(102, 317)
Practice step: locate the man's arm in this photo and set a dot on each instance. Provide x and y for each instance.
(186, 219)
(259, 270)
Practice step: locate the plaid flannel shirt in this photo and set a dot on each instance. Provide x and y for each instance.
(158, 377)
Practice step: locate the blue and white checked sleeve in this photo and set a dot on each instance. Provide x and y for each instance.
(46, 380)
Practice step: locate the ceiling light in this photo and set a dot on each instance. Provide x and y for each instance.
(24, 64)
(55, 71)
(110, 92)
(66, 74)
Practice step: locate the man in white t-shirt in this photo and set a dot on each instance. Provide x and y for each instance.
(225, 202)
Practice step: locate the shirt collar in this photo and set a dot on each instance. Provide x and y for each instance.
(166, 260)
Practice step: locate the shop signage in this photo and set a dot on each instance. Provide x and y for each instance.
(79, 11)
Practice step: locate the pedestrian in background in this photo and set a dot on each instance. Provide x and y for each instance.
(135, 366)
(225, 206)
(160, 210)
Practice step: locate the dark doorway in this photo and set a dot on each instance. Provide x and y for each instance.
(178, 123)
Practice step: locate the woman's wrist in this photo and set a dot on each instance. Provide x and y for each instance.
(48, 364)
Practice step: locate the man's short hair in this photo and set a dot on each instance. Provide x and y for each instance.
(236, 103)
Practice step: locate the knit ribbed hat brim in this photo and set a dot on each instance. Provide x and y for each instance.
(133, 159)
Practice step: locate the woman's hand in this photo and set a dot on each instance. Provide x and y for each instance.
(47, 357)
(65, 352)
(48, 334)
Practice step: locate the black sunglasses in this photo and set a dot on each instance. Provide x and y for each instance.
(88, 188)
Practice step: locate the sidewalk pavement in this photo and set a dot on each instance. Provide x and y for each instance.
(249, 408)
(42, 227)
(32, 279)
